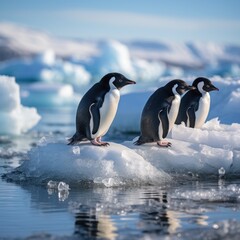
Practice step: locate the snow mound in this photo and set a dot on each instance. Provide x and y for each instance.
(14, 118)
(115, 165)
(213, 150)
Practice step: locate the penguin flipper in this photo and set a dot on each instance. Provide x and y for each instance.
(191, 117)
(95, 113)
(163, 116)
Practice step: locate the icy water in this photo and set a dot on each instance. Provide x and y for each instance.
(183, 209)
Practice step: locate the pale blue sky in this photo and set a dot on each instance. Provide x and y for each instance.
(169, 20)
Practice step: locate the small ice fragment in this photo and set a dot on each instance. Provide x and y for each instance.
(97, 180)
(76, 149)
(108, 182)
(63, 195)
(52, 184)
(221, 172)
(62, 186)
(42, 141)
(215, 226)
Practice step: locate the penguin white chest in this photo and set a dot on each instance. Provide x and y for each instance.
(108, 112)
(172, 115)
(203, 110)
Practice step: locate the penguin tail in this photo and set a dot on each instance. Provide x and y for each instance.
(140, 141)
(75, 139)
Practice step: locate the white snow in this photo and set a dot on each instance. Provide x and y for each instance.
(14, 118)
(211, 150)
(115, 165)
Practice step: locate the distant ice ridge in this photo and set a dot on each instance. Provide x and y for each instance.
(46, 68)
(14, 118)
(41, 94)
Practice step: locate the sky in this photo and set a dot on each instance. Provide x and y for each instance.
(168, 20)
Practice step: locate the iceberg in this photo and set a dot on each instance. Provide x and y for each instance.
(14, 117)
(111, 166)
(212, 150)
(48, 95)
(45, 67)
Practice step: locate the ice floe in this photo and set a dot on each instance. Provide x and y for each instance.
(115, 165)
(14, 117)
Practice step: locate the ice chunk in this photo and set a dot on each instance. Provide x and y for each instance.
(48, 94)
(212, 134)
(47, 68)
(114, 57)
(62, 186)
(14, 118)
(112, 166)
(52, 184)
(185, 157)
(221, 172)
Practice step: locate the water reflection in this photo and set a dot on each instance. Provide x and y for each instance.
(89, 223)
(113, 213)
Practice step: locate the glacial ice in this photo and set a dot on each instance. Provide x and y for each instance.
(212, 151)
(47, 68)
(115, 165)
(14, 117)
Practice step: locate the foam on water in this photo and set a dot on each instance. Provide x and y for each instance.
(223, 194)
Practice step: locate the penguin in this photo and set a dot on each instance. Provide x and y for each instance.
(195, 104)
(98, 108)
(160, 112)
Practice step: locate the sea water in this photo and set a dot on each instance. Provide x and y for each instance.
(183, 208)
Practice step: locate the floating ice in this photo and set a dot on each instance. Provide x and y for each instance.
(212, 150)
(221, 172)
(62, 186)
(14, 118)
(47, 68)
(52, 184)
(114, 57)
(48, 95)
(112, 166)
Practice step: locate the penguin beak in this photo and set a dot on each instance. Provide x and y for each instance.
(129, 82)
(213, 88)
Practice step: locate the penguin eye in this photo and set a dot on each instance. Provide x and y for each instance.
(120, 80)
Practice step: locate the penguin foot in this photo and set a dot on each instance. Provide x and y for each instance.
(164, 144)
(95, 142)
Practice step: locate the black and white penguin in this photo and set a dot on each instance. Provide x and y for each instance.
(98, 108)
(160, 113)
(195, 104)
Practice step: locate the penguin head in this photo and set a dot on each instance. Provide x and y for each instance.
(204, 85)
(116, 80)
(178, 86)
